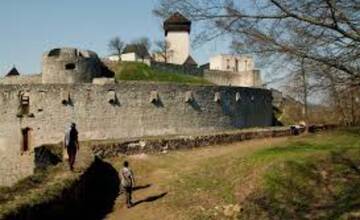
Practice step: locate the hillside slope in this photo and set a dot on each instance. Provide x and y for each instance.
(142, 72)
(241, 180)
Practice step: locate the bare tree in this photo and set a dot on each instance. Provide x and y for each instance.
(144, 41)
(298, 86)
(347, 103)
(324, 31)
(116, 46)
(163, 49)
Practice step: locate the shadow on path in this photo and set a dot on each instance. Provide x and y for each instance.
(150, 199)
(141, 187)
(92, 197)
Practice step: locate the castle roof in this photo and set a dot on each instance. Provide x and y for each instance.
(177, 22)
(13, 72)
(139, 49)
(176, 18)
(190, 62)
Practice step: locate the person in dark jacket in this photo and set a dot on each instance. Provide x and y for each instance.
(71, 143)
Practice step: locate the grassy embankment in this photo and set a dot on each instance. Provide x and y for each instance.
(42, 187)
(309, 177)
(142, 72)
(36, 189)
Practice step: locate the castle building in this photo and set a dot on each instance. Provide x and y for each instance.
(232, 63)
(177, 34)
(75, 87)
(233, 70)
(136, 53)
(71, 65)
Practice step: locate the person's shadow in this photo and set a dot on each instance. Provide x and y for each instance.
(141, 187)
(149, 198)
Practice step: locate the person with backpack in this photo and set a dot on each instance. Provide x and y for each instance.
(127, 182)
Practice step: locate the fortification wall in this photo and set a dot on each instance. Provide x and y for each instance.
(133, 115)
(225, 78)
(14, 164)
(70, 65)
(124, 110)
(174, 68)
(24, 79)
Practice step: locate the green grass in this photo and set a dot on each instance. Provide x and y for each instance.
(142, 72)
(271, 181)
(315, 176)
(321, 186)
(318, 178)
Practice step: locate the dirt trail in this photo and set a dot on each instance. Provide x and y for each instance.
(150, 170)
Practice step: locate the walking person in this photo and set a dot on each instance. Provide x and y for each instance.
(71, 143)
(127, 182)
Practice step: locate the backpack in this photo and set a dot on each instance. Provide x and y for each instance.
(126, 177)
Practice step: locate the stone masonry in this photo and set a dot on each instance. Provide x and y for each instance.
(115, 111)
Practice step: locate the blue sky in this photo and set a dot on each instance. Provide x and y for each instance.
(30, 27)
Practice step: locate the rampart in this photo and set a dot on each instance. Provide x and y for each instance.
(23, 79)
(116, 111)
(246, 78)
(174, 68)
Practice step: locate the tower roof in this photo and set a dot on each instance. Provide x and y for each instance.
(177, 22)
(13, 72)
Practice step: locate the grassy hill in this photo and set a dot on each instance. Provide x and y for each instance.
(307, 177)
(142, 72)
(313, 176)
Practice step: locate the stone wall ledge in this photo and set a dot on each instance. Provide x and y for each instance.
(165, 144)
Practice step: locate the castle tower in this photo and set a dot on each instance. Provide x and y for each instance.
(177, 33)
(70, 65)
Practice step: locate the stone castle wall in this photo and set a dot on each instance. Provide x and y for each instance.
(23, 79)
(174, 68)
(225, 78)
(14, 164)
(123, 110)
(70, 65)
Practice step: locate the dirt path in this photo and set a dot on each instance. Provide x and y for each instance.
(162, 170)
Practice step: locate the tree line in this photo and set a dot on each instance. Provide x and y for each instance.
(160, 47)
